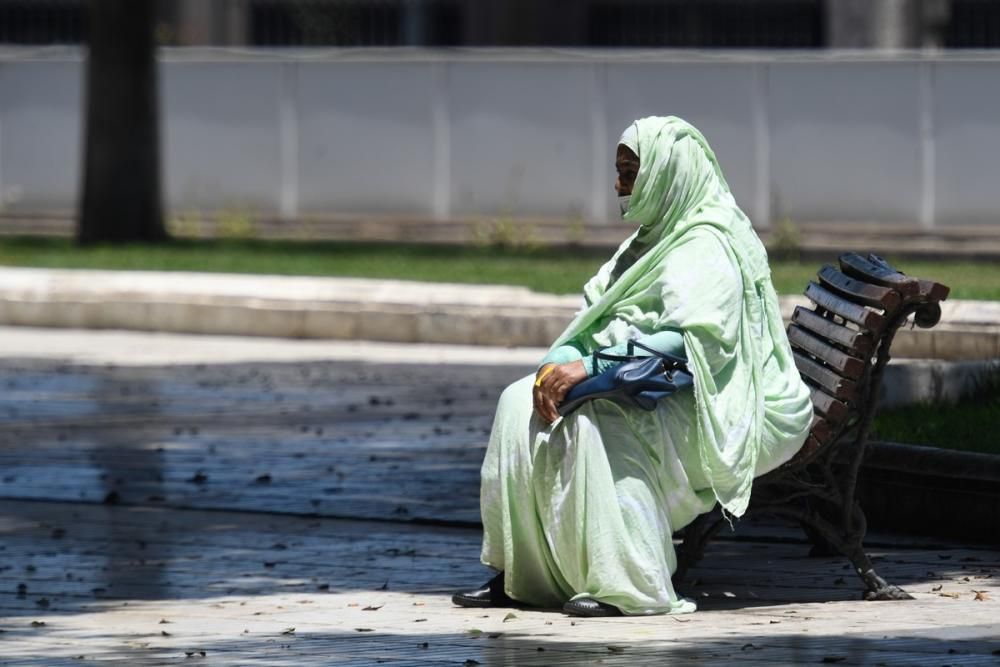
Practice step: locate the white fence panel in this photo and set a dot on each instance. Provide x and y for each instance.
(845, 141)
(367, 140)
(967, 145)
(221, 138)
(40, 135)
(907, 139)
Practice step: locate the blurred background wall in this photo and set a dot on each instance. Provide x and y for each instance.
(820, 111)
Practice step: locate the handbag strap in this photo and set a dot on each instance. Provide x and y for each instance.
(633, 343)
(613, 357)
(673, 362)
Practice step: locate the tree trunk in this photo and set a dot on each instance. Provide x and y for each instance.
(121, 174)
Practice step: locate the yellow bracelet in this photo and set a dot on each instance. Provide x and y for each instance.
(545, 374)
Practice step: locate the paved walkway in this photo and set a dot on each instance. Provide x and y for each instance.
(266, 508)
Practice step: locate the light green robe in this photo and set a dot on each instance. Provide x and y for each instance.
(585, 507)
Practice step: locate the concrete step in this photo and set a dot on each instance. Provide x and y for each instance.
(377, 310)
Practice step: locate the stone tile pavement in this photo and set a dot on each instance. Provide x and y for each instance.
(262, 506)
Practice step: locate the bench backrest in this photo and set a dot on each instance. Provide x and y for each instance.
(841, 344)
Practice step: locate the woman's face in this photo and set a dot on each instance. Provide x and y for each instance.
(627, 166)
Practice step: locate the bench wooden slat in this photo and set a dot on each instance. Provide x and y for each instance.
(933, 291)
(821, 430)
(851, 312)
(857, 291)
(827, 406)
(858, 267)
(858, 342)
(845, 365)
(810, 447)
(833, 384)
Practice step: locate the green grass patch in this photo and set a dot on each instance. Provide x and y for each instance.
(554, 270)
(545, 270)
(970, 425)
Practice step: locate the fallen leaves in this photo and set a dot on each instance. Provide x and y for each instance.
(981, 596)
(373, 607)
(509, 617)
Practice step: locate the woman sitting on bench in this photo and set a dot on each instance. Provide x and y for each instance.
(578, 512)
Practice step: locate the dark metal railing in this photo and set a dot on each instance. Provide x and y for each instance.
(960, 24)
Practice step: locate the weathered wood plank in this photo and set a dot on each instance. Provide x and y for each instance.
(933, 291)
(844, 364)
(821, 430)
(879, 272)
(857, 343)
(809, 449)
(827, 406)
(852, 312)
(858, 291)
(833, 384)
(858, 267)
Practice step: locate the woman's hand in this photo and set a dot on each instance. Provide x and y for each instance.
(552, 382)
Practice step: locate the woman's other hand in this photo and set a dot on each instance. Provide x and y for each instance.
(552, 382)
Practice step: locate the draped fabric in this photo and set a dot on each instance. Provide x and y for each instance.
(586, 506)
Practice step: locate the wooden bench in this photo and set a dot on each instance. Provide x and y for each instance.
(841, 347)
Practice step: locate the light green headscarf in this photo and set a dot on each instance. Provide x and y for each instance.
(695, 265)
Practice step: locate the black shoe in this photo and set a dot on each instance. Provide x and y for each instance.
(490, 595)
(590, 607)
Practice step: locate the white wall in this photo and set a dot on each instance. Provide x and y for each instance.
(815, 137)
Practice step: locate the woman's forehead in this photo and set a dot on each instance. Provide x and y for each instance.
(624, 156)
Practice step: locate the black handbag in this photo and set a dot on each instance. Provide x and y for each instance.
(638, 382)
